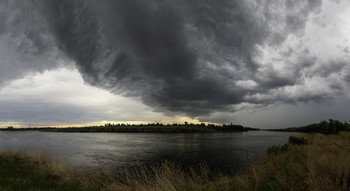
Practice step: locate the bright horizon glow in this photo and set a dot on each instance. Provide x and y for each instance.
(66, 87)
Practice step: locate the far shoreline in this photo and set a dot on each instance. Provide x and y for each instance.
(142, 128)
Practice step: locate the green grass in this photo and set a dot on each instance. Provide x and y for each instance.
(320, 163)
(17, 172)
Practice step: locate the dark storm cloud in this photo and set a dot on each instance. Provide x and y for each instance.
(144, 47)
(179, 56)
(25, 43)
(298, 12)
(271, 78)
(333, 66)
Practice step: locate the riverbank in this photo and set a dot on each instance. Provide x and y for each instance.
(309, 162)
(326, 127)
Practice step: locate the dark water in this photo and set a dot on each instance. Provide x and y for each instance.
(86, 150)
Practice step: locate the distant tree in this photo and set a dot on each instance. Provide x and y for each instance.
(339, 126)
(346, 126)
(10, 128)
(324, 127)
(331, 127)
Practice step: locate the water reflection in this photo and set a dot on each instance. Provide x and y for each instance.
(85, 150)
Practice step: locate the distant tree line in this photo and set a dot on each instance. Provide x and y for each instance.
(150, 127)
(11, 128)
(224, 127)
(326, 127)
(156, 128)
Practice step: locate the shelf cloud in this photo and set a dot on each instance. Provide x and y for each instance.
(189, 57)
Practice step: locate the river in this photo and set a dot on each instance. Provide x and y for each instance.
(112, 150)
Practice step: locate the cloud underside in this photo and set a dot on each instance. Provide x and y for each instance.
(190, 57)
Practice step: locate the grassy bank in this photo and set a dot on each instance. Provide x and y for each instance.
(311, 162)
(35, 171)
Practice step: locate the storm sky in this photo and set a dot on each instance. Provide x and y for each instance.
(260, 63)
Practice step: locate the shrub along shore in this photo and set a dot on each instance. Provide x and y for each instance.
(326, 127)
(307, 162)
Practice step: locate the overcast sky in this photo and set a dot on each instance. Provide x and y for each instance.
(259, 63)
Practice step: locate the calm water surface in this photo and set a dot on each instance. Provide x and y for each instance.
(86, 150)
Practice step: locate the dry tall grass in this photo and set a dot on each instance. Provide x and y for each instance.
(41, 161)
(321, 164)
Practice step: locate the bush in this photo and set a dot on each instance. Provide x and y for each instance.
(298, 140)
